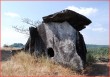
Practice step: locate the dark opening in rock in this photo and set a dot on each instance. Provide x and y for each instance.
(50, 52)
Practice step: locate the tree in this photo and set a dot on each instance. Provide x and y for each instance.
(22, 29)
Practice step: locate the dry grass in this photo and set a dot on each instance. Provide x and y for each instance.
(23, 64)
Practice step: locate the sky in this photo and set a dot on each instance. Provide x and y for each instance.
(12, 13)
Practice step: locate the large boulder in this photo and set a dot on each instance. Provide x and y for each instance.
(57, 41)
(61, 40)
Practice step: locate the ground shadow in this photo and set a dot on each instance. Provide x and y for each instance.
(98, 69)
(5, 55)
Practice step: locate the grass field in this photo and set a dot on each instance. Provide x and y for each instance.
(23, 64)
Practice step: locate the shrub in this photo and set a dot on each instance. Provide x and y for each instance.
(94, 54)
(5, 45)
(90, 58)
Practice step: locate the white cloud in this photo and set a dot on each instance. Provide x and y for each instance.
(88, 27)
(83, 10)
(99, 29)
(96, 28)
(11, 14)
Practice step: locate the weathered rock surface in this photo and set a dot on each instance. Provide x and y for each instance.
(61, 37)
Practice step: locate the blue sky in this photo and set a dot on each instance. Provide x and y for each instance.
(12, 14)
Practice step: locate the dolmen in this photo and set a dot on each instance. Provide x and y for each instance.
(59, 38)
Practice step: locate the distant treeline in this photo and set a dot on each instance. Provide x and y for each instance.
(19, 45)
(16, 45)
(96, 46)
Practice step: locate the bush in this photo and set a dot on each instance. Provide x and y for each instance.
(94, 54)
(5, 45)
(90, 58)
